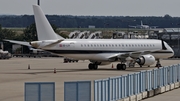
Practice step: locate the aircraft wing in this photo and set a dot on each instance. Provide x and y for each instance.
(129, 54)
(18, 42)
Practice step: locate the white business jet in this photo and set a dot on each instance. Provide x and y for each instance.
(99, 51)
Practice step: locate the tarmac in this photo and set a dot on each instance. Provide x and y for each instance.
(14, 73)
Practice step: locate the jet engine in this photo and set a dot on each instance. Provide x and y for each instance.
(146, 60)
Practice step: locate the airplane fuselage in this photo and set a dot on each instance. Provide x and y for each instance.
(101, 49)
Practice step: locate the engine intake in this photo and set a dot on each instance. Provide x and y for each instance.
(146, 60)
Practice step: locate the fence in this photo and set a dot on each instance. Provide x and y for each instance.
(116, 88)
(40, 91)
(77, 91)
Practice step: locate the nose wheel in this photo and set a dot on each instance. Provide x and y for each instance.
(121, 67)
(93, 66)
(158, 64)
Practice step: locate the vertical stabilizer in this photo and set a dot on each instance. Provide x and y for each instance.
(44, 29)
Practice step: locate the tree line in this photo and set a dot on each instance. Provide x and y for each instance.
(68, 21)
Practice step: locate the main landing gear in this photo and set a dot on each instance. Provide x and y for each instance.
(93, 66)
(121, 66)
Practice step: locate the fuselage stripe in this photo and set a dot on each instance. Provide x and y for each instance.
(94, 51)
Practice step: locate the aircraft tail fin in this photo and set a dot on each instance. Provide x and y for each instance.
(44, 29)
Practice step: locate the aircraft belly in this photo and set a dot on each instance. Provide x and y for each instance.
(79, 56)
(95, 57)
(102, 56)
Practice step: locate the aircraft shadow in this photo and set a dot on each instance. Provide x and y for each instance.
(59, 70)
(39, 71)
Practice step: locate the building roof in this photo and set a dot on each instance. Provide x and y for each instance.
(172, 30)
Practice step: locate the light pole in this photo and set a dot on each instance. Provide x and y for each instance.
(178, 38)
(38, 2)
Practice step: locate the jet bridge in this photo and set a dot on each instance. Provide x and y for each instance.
(95, 35)
(83, 35)
(74, 34)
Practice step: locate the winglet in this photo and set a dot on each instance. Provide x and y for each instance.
(44, 29)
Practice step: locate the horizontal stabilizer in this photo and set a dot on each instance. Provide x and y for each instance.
(19, 42)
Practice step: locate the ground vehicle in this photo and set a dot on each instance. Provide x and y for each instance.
(4, 54)
(66, 60)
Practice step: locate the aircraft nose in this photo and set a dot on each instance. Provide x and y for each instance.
(172, 52)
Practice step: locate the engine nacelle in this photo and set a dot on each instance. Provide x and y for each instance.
(146, 60)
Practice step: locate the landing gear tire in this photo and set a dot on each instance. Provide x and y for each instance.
(158, 65)
(93, 66)
(121, 67)
(118, 66)
(90, 66)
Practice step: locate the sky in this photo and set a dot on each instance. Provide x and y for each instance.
(94, 7)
